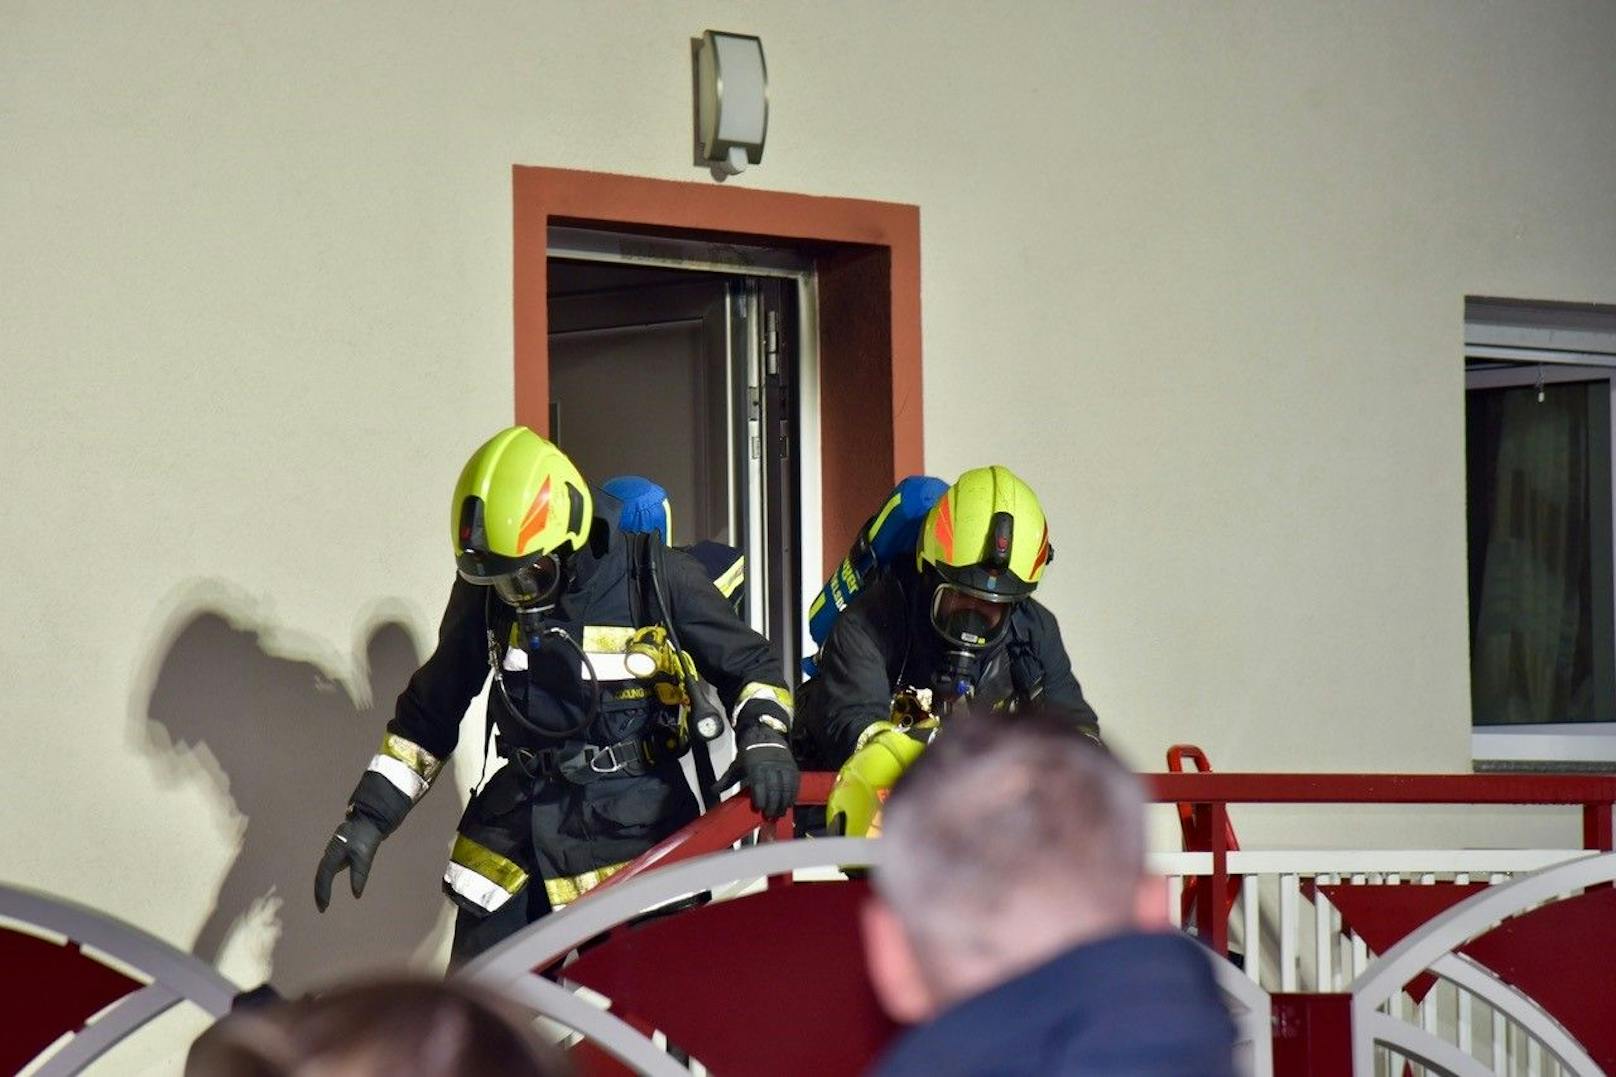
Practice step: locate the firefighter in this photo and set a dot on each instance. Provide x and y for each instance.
(549, 596)
(957, 623)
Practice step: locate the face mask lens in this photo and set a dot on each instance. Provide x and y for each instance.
(537, 584)
(968, 619)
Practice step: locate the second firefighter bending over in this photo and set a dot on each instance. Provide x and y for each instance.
(955, 622)
(553, 598)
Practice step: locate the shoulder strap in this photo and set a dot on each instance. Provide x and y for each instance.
(1026, 668)
(642, 546)
(495, 644)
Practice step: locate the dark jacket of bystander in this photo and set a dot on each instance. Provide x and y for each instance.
(1130, 1005)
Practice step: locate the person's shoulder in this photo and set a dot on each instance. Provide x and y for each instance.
(715, 557)
(1032, 616)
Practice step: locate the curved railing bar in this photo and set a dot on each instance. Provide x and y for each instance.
(508, 966)
(1467, 975)
(716, 830)
(1458, 925)
(123, 1018)
(1418, 1045)
(1256, 1024)
(626, 1043)
(185, 974)
(552, 936)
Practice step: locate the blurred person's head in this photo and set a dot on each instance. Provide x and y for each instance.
(1013, 838)
(397, 1028)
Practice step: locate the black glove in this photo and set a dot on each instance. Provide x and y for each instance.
(763, 763)
(353, 846)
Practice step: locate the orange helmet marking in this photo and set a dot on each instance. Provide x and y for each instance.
(537, 517)
(944, 529)
(1043, 553)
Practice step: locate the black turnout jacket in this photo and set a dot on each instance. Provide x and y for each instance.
(884, 642)
(609, 589)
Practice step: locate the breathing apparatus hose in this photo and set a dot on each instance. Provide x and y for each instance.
(535, 635)
(706, 712)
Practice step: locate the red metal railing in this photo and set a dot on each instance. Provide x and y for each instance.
(1208, 797)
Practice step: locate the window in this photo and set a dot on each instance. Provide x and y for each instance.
(1539, 451)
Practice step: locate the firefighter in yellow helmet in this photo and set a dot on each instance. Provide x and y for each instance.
(554, 601)
(958, 624)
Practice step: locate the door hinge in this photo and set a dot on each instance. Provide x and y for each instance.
(771, 342)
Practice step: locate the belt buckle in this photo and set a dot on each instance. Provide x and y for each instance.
(609, 753)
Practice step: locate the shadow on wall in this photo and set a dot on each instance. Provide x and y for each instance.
(288, 740)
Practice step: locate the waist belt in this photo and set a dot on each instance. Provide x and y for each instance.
(581, 763)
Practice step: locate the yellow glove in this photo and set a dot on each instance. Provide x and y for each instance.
(854, 805)
(650, 657)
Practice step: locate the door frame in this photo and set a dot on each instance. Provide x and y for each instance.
(866, 259)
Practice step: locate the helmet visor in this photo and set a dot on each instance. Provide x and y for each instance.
(534, 585)
(968, 617)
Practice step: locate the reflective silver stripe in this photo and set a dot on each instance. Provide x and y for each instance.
(400, 775)
(486, 894)
(605, 644)
(609, 666)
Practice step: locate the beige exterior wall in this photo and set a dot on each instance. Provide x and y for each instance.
(1196, 271)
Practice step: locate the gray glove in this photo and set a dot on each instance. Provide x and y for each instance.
(353, 846)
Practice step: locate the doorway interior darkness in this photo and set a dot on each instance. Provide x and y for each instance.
(689, 377)
(864, 323)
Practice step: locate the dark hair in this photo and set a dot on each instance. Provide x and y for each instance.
(397, 1027)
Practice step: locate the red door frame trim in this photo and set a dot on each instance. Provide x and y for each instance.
(870, 383)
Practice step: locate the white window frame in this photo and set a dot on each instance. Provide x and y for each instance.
(1547, 342)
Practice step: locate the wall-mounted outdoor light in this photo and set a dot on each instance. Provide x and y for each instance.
(732, 100)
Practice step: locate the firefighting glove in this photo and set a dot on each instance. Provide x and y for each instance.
(854, 805)
(764, 765)
(374, 811)
(353, 846)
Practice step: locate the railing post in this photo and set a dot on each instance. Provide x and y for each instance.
(782, 829)
(1312, 1035)
(1596, 826)
(1212, 903)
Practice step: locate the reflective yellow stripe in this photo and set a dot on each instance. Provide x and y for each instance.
(600, 639)
(565, 891)
(881, 517)
(818, 604)
(758, 690)
(481, 860)
(607, 639)
(412, 755)
(732, 578)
